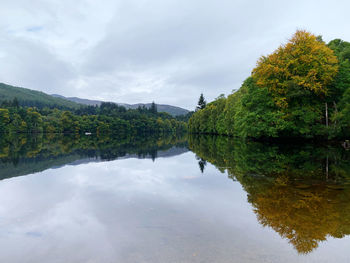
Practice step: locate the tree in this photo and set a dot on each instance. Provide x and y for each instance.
(256, 115)
(230, 111)
(343, 115)
(15, 102)
(4, 120)
(67, 122)
(34, 121)
(201, 102)
(153, 108)
(339, 98)
(17, 124)
(303, 66)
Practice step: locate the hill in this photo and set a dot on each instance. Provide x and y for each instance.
(33, 98)
(27, 97)
(172, 110)
(79, 100)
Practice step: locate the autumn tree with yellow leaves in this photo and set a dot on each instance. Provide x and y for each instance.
(298, 91)
(305, 63)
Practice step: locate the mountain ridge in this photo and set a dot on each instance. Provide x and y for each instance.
(172, 110)
(34, 98)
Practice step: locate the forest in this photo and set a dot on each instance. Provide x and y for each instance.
(301, 90)
(106, 119)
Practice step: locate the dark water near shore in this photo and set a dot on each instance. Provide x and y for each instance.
(172, 199)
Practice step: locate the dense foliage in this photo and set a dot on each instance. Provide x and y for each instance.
(300, 90)
(109, 118)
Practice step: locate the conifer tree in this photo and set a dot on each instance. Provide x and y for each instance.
(201, 102)
(153, 108)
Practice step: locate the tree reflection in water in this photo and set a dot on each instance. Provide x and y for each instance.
(21, 155)
(301, 191)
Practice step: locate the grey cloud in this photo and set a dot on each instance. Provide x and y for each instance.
(166, 32)
(141, 51)
(28, 64)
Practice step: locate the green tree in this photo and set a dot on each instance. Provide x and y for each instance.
(201, 102)
(339, 98)
(34, 121)
(17, 124)
(4, 120)
(343, 115)
(256, 114)
(67, 122)
(153, 108)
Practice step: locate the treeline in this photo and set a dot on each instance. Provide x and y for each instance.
(301, 90)
(108, 118)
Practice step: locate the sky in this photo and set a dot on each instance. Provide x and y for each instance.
(138, 51)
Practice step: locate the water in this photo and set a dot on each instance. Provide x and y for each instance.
(201, 199)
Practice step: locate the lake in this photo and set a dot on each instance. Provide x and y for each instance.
(172, 199)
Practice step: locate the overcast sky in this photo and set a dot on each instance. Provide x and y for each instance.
(167, 51)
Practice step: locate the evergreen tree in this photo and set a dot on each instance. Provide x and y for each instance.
(201, 103)
(15, 103)
(153, 108)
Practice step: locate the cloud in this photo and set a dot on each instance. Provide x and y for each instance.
(29, 64)
(141, 51)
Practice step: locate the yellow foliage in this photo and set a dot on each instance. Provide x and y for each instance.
(304, 61)
(304, 216)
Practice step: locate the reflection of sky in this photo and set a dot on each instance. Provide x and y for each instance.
(139, 211)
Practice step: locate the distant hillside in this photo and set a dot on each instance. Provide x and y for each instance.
(27, 97)
(33, 98)
(172, 110)
(79, 100)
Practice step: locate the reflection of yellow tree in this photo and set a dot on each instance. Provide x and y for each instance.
(4, 151)
(11, 143)
(305, 216)
(289, 188)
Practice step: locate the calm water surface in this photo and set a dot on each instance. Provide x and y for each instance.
(202, 199)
